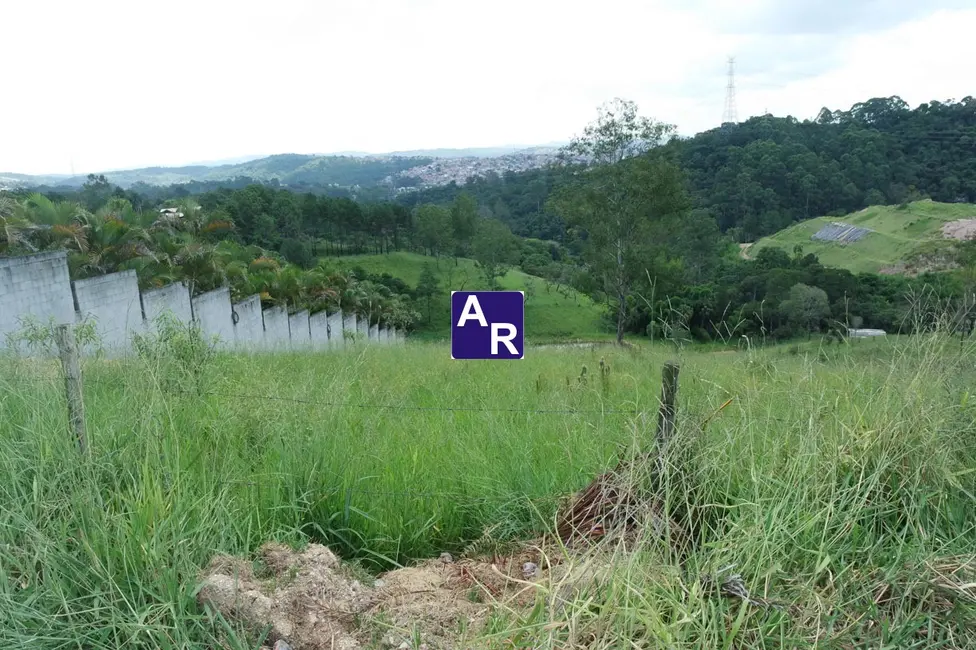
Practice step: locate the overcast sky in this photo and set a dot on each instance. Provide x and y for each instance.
(110, 84)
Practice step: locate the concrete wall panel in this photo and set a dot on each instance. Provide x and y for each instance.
(276, 333)
(249, 325)
(35, 285)
(173, 299)
(112, 301)
(299, 328)
(213, 311)
(336, 338)
(318, 323)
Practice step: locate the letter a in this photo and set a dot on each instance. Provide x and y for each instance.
(472, 311)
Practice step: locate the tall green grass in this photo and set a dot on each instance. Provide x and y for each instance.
(832, 473)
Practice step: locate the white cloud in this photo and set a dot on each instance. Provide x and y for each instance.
(109, 84)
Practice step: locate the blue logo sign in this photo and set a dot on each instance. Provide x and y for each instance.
(487, 324)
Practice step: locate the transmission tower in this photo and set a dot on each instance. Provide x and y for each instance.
(730, 112)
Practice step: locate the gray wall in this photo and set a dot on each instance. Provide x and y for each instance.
(39, 286)
(298, 324)
(173, 299)
(349, 323)
(336, 339)
(249, 328)
(112, 301)
(318, 324)
(213, 311)
(34, 285)
(276, 333)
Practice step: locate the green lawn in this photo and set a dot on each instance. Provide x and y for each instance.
(549, 314)
(839, 482)
(899, 235)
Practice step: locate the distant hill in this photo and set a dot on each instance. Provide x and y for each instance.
(287, 169)
(396, 169)
(895, 239)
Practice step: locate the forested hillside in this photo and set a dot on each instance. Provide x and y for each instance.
(762, 175)
(646, 232)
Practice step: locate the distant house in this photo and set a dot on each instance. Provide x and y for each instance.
(170, 212)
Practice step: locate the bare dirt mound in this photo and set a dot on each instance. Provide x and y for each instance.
(311, 601)
(960, 229)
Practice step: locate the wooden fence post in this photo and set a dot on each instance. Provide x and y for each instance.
(70, 364)
(669, 389)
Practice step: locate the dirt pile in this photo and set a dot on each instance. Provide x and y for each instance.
(960, 229)
(311, 601)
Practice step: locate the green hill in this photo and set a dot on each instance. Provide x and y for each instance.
(553, 313)
(899, 237)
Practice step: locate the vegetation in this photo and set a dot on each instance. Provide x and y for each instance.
(297, 171)
(907, 235)
(552, 311)
(762, 175)
(837, 481)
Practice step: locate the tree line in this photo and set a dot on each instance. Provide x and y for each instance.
(761, 175)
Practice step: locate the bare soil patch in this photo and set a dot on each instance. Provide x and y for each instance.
(311, 601)
(960, 229)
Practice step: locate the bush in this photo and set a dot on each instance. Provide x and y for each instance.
(177, 354)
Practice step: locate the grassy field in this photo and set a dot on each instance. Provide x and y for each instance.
(550, 315)
(839, 481)
(899, 234)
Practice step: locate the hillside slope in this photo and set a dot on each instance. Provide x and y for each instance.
(558, 313)
(898, 236)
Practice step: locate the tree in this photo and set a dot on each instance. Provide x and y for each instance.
(621, 193)
(464, 220)
(494, 249)
(433, 226)
(428, 287)
(806, 307)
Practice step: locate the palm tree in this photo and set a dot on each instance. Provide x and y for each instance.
(15, 230)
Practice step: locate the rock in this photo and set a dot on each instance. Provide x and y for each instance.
(530, 570)
(447, 558)
(380, 583)
(281, 645)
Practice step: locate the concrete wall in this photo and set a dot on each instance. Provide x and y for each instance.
(34, 285)
(318, 323)
(349, 323)
(276, 332)
(298, 325)
(173, 299)
(249, 328)
(213, 311)
(113, 303)
(39, 286)
(336, 339)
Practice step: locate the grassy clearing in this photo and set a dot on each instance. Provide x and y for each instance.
(550, 315)
(899, 235)
(838, 481)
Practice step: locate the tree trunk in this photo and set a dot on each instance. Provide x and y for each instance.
(621, 293)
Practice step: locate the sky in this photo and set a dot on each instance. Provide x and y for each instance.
(115, 84)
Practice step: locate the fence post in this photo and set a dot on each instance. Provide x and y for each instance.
(669, 388)
(64, 335)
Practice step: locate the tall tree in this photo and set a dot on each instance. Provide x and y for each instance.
(464, 220)
(494, 249)
(620, 195)
(428, 287)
